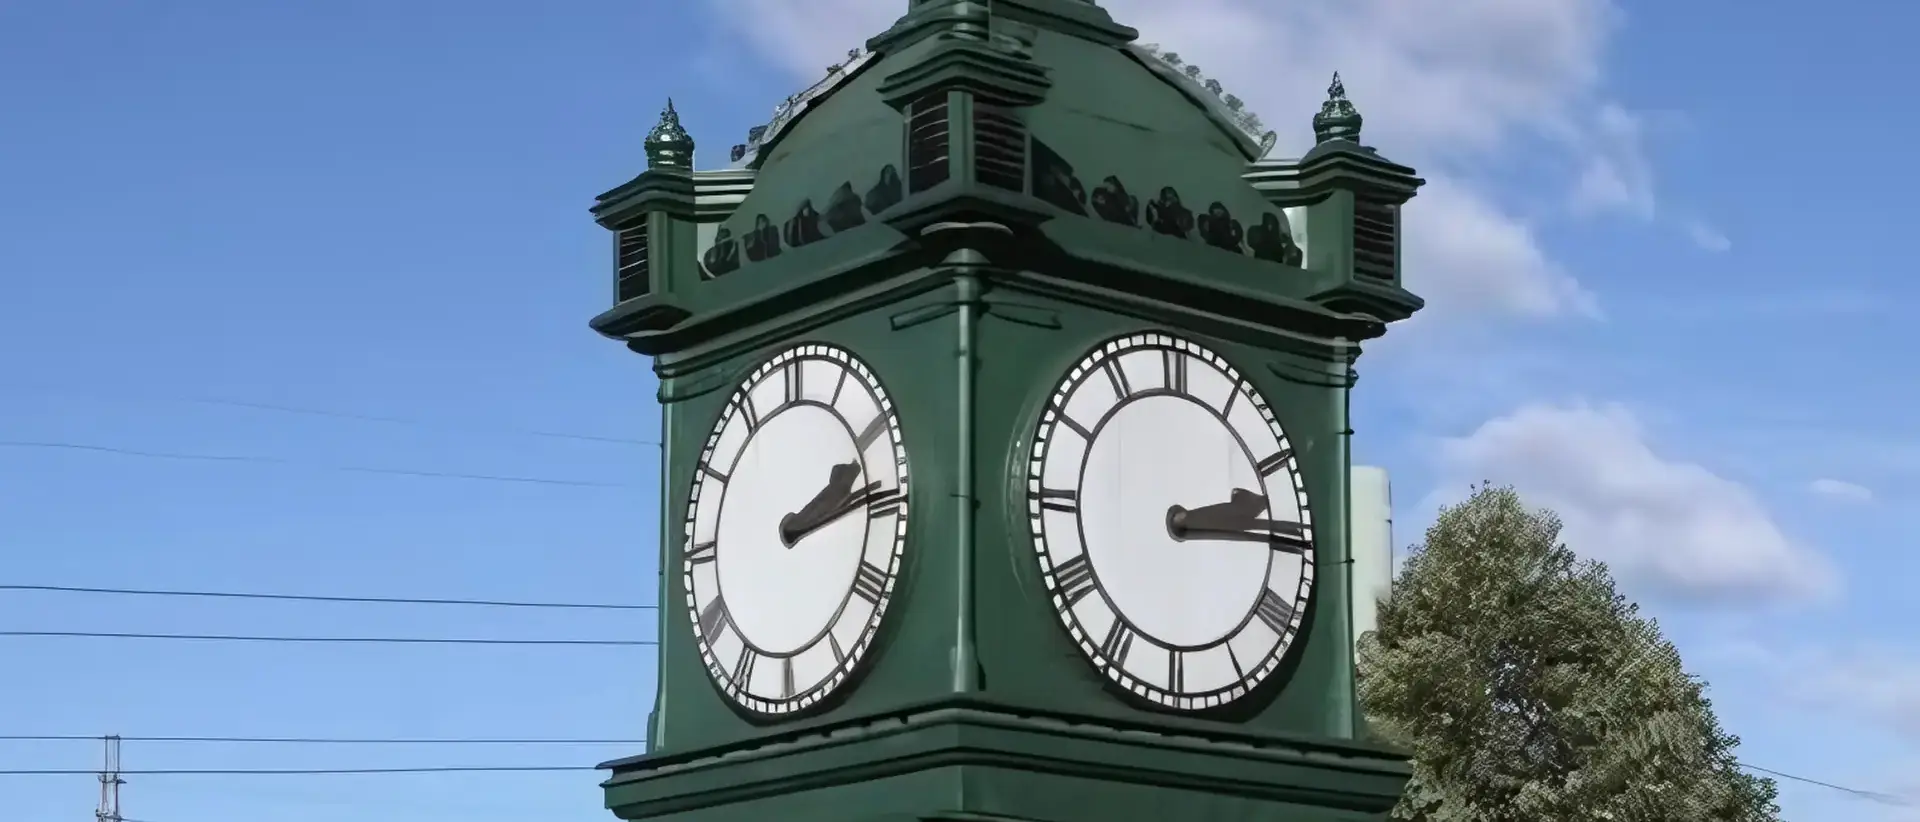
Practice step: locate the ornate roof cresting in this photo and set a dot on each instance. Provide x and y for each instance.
(1236, 109)
(796, 103)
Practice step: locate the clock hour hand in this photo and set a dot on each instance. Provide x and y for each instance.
(1236, 520)
(793, 529)
(832, 502)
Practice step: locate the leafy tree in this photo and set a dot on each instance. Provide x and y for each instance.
(1529, 690)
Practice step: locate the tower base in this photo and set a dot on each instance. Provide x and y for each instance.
(980, 762)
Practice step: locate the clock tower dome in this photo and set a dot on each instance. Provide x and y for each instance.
(1004, 388)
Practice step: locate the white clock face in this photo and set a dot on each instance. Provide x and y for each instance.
(1171, 521)
(795, 529)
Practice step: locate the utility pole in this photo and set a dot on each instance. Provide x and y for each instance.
(110, 782)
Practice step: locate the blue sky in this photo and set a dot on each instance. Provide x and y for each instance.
(1655, 245)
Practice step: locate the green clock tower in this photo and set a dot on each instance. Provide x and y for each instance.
(1004, 384)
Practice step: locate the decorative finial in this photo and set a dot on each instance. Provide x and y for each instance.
(668, 145)
(1338, 119)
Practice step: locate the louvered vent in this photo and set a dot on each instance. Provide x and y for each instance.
(630, 264)
(999, 148)
(929, 133)
(1374, 232)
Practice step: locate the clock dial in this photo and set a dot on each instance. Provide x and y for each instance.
(1171, 521)
(795, 529)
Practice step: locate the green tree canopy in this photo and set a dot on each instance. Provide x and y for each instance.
(1528, 689)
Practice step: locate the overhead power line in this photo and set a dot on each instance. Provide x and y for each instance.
(496, 603)
(363, 640)
(298, 771)
(322, 740)
(1876, 796)
(282, 408)
(263, 460)
(345, 415)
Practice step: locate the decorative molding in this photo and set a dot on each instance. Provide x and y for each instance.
(1271, 239)
(921, 315)
(1032, 316)
(1247, 767)
(1016, 313)
(1318, 377)
(845, 211)
(699, 384)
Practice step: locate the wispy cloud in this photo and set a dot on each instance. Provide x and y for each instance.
(1442, 90)
(1840, 490)
(1675, 527)
(1707, 237)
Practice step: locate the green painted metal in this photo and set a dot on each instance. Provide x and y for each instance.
(669, 145)
(970, 204)
(966, 658)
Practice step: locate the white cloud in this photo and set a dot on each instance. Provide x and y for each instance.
(1616, 175)
(1443, 78)
(1881, 685)
(1708, 238)
(1675, 527)
(1481, 260)
(1443, 83)
(1840, 490)
(1874, 682)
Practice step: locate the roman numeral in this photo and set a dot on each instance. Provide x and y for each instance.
(870, 433)
(1117, 378)
(1176, 671)
(1174, 366)
(870, 583)
(703, 553)
(1234, 660)
(793, 381)
(1118, 644)
(743, 666)
(712, 618)
(1291, 537)
(1277, 613)
(1074, 578)
(747, 412)
(709, 470)
(1056, 499)
(1061, 413)
(839, 656)
(786, 678)
(839, 384)
(1275, 461)
(882, 503)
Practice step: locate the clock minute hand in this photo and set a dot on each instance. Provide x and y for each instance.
(1236, 520)
(1286, 537)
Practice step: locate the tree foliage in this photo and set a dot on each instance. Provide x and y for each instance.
(1528, 689)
